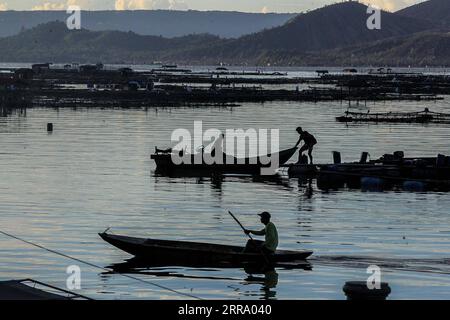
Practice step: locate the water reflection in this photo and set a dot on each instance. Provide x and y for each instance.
(264, 275)
(268, 282)
(5, 111)
(217, 179)
(306, 184)
(136, 264)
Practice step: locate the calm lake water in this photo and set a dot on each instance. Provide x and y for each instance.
(94, 172)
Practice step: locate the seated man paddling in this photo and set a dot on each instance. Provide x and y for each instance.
(269, 246)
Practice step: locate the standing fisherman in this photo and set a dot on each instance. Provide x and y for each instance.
(310, 142)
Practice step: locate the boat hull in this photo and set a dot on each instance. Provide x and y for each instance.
(193, 252)
(165, 164)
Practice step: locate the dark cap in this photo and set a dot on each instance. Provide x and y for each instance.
(264, 215)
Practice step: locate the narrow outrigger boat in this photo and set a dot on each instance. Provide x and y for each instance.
(165, 164)
(199, 253)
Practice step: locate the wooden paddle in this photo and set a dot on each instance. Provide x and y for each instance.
(251, 238)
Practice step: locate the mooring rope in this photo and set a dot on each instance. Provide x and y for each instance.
(99, 267)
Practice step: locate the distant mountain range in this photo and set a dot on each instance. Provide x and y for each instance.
(53, 42)
(166, 23)
(423, 49)
(436, 11)
(334, 26)
(331, 36)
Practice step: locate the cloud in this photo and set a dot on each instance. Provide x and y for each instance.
(49, 6)
(150, 5)
(120, 5)
(391, 5)
(178, 5)
(63, 5)
(109, 4)
(88, 4)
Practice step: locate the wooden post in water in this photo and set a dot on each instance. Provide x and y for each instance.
(336, 157)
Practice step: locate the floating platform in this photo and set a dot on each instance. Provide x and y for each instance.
(91, 86)
(425, 116)
(418, 174)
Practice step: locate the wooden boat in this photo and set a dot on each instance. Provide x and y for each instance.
(425, 116)
(201, 253)
(230, 164)
(29, 289)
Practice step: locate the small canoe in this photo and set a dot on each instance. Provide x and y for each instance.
(164, 163)
(29, 289)
(179, 251)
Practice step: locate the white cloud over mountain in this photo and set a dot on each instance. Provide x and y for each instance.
(150, 5)
(391, 5)
(117, 4)
(63, 5)
(241, 5)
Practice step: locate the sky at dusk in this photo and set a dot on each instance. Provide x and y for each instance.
(228, 5)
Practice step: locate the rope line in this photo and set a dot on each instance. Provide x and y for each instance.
(99, 267)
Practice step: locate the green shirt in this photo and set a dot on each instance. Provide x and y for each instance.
(271, 233)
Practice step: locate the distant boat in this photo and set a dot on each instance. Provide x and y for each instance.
(277, 73)
(322, 72)
(169, 66)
